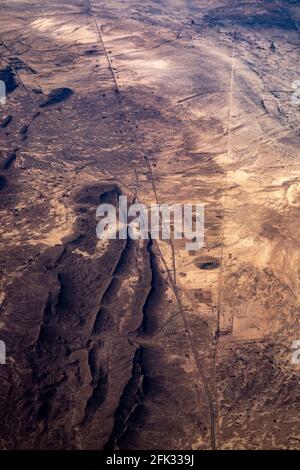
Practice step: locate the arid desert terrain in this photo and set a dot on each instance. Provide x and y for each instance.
(143, 344)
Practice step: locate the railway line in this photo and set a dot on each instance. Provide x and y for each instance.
(172, 279)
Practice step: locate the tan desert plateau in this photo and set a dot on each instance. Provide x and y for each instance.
(143, 344)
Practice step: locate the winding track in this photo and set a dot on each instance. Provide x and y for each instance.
(172, 279)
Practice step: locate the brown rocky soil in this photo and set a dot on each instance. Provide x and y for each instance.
(109, 346)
